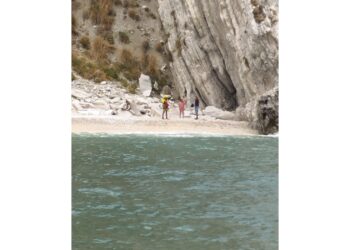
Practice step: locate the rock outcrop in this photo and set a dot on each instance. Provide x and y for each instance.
(262, 112)
(110, 98)
(145, 85)
(223, 51)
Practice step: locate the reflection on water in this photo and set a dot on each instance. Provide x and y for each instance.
(149, 192)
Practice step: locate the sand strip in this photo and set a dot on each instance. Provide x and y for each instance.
(115, 125)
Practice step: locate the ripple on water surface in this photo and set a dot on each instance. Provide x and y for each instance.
(158, 192)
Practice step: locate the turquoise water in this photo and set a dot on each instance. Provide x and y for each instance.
(157, 192)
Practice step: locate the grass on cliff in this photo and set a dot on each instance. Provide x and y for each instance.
(124, 37)
(100, 50)
(85, 42)
(92, 70)
(130, 3)
(129, 65)
(101, 13)
(146, 46)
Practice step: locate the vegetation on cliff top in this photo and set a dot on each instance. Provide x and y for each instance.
(103, 52)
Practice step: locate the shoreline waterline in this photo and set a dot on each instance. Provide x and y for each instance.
(157, 126)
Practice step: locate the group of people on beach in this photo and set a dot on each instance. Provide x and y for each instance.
(182, 106)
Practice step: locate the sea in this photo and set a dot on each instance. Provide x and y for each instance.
(174, 192)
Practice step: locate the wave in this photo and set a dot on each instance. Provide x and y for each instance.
(163, 134)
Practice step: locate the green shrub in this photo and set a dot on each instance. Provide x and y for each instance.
(83, 67)
(132, 75)
(132, 88)
(92, 70)
(123, 37)
(124, 82)
(111, 72)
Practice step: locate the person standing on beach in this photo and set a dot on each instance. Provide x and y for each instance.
(196, 106)
(182, 104)
(165, 108)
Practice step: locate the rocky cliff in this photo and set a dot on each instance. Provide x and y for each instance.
(224, 51)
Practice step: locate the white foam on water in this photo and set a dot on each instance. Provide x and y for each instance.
(163, 134)
(270, 135)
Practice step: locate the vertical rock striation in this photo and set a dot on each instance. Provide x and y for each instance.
(224, 51)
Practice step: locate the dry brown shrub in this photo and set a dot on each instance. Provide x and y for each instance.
(153, 66)
(75, 5)
(133, 15)
(152, 15)
(101, 13)
(100, 49)
(144, 61)
(159, 47)
(99, 76)
(117, 2)
(86, 15)
(123, 37)
(145, 46)
(74, 26)
(85, 42)
(130, 3)
(129, 65)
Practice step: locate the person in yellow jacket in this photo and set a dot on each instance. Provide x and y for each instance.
(165, 102)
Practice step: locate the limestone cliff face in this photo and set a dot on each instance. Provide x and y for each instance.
(224, 51)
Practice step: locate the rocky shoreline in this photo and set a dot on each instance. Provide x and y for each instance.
(106, 103)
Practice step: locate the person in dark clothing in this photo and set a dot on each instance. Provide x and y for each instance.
(196, 106)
